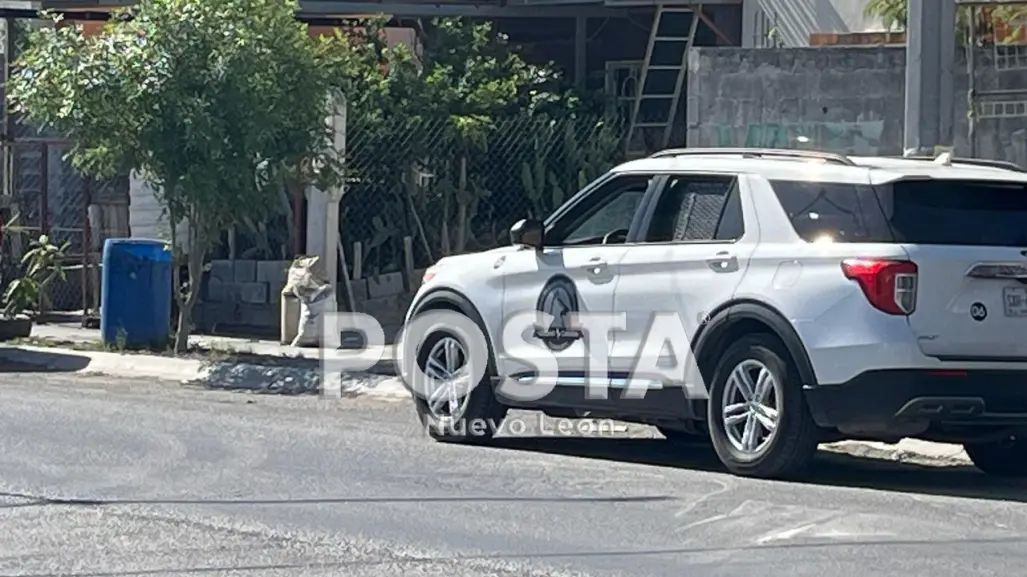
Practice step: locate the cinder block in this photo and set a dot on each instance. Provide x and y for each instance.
(387, 310)
(252, 292)
(385, 285)
(259, 316)
(219, 291)
(274, 293)
(391, 332)
(359, 289)
(245, 271)
(273, 272)
(222, 270)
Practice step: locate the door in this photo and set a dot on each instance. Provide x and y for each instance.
(969, 241)
(576, 272)
(695, 247)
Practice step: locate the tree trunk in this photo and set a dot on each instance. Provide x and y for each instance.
(185, 311)
(182, 334)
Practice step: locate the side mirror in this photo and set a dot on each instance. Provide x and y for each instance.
(527, 232)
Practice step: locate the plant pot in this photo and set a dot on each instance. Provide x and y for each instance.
(11, 329)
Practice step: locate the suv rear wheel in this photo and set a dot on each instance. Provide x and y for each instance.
(758, 419)
(1006, 458)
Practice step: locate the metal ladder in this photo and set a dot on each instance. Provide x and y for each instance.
(666, 60)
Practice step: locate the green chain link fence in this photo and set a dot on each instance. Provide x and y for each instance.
(449, 192)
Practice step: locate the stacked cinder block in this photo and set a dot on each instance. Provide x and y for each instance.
(246, 293)
(243, 292)
(386, 297)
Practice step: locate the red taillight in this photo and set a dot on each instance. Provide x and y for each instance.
(890, 285)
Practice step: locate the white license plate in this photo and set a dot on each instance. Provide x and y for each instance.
(1015, 301)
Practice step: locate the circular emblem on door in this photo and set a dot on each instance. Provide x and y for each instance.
(978, 312)
(559, 299)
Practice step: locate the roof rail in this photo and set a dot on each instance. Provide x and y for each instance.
(1002, 164)
(758, 153)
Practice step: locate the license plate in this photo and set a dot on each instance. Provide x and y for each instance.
(1015, 301)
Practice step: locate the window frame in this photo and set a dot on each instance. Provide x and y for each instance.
(595, 189)
(735, 191)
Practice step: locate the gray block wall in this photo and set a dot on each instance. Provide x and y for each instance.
(840, 99)
(245, 295)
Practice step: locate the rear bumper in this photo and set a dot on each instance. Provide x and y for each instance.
(965, 398)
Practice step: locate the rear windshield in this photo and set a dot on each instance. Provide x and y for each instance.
(939, 212)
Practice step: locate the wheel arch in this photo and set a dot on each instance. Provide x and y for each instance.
(453, 300)
(740, 317)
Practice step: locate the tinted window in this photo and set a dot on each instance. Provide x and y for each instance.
(844, 212)
(614, 215)
(951, 212)
(691, 208)
(609, 208)
(732, 223)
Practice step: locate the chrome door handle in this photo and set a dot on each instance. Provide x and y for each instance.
(722, 262)
(596, 265)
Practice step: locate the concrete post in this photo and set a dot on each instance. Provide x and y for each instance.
(580, 51)
(930, 64)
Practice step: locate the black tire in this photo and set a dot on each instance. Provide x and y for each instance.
(797, 435)
(1006, 458)
(481, 418)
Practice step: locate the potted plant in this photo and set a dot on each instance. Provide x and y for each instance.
(43, 264)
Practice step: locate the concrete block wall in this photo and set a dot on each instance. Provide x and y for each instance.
(245, 295)
(386, 297)
(841, 99)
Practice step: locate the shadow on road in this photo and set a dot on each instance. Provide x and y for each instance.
(831, 469)
(20, 360)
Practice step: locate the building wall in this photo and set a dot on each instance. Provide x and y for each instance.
(789, 23)
(843, 99)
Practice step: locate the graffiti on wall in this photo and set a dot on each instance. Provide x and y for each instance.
(855, 137)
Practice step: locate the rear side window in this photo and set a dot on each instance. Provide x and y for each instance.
(840, 212)
(693, 208)
(957, 212)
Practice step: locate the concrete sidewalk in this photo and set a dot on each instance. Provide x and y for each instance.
(68, 333)
(219, 363)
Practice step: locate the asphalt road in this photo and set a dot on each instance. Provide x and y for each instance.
(122, 478)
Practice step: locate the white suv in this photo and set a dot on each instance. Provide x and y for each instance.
(825, 298)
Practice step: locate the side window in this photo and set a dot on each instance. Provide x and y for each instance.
(697, 208)
(609, 209)
(839, 211)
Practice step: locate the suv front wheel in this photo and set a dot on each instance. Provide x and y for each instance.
(758, 419)
(449, 409)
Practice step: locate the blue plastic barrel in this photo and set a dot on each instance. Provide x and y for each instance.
(136, 292)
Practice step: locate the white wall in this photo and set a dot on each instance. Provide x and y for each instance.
(794, 20)
(145, 215)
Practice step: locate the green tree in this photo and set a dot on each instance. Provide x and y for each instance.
(214, 102)
(894, 14)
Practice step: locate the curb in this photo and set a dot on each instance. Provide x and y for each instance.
(290, 377)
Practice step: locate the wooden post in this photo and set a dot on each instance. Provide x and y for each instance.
(358, 260)
(44, 216)
(408, 263)
(346, 282)
(87, 257)
(9, 152)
